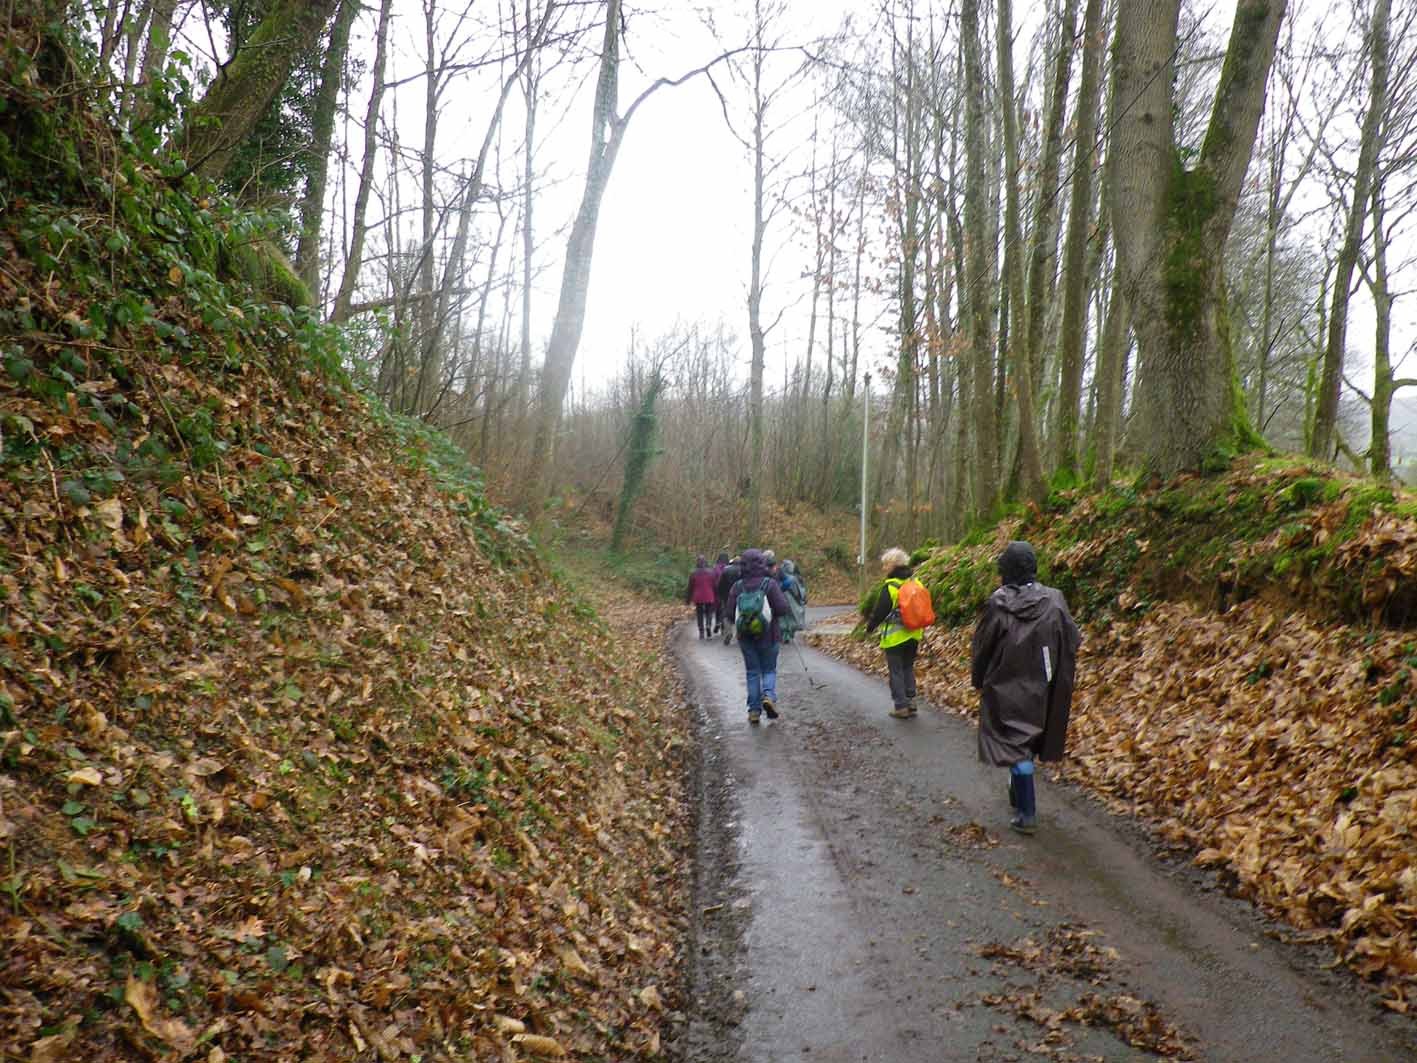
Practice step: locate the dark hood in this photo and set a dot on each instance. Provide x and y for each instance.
(1018, 564)
(1027, 602)
(754, 564)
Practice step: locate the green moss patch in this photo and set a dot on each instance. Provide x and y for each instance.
(1334, 545)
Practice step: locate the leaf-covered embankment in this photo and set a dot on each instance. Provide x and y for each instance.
(1230, 693)
(303, 751)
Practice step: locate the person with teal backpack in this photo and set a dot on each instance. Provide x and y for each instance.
(756, 603)
(795, 591)
(900, 634)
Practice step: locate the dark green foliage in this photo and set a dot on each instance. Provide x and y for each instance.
(641, 451)
(1265, 526)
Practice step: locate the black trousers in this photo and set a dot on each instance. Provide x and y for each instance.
(704, 612)
(901, 662)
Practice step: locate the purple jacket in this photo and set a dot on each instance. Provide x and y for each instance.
(755, 571)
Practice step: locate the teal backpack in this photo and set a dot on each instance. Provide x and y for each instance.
(754, 614)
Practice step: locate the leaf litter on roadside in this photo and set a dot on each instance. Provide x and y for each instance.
(304, 757)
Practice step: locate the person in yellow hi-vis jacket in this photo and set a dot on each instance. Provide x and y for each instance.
(900, 643)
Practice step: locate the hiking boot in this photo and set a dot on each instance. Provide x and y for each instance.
(910, 708)
(770, 707)
(902, 713)
(1024, 824)
(753, 716)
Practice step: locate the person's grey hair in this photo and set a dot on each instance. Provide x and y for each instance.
(895, 557)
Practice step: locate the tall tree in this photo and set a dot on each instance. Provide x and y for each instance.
(1171, 221)
(1020, 356)
(312, 202)
(757, 332)
(1065, 424)
(354, 254)
(1321, 441)
(530, 94)
(979, 269)
(608, 129)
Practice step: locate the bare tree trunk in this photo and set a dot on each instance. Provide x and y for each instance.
(824, 477)
(312, 203)
(1020, 371)
(529, 92)
(115, 13)
(898, 437)
(354, 258)
(607, 133)
(755, 303)
(1380, 446)
(800, 415)
(159, 40)
(979, 271)
(1111, 358)
(1065, 425)
(1321, 444)
(133, 34)
(856, 286)
(432, 89)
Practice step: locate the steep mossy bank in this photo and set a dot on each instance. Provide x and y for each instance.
(304, 752)
(1336, 546)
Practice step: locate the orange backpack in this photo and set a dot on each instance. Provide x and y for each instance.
(913, 602)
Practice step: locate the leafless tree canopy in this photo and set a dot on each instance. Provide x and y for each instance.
(1062, 244)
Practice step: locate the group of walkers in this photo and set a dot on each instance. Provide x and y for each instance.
(1023, 654)
(758, 601)
(710, 590)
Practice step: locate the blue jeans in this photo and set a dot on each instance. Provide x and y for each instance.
(760, 662)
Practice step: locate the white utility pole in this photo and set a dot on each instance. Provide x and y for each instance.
(865, 453)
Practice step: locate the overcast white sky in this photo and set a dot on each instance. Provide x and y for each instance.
(674, 234)
(676, 224)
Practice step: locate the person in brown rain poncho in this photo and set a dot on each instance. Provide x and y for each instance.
(1024, 658)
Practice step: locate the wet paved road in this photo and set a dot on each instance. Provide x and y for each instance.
(862, 896)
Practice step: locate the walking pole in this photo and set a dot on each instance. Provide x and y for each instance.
(805, 671)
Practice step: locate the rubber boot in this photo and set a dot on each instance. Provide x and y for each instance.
(1025, 818)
